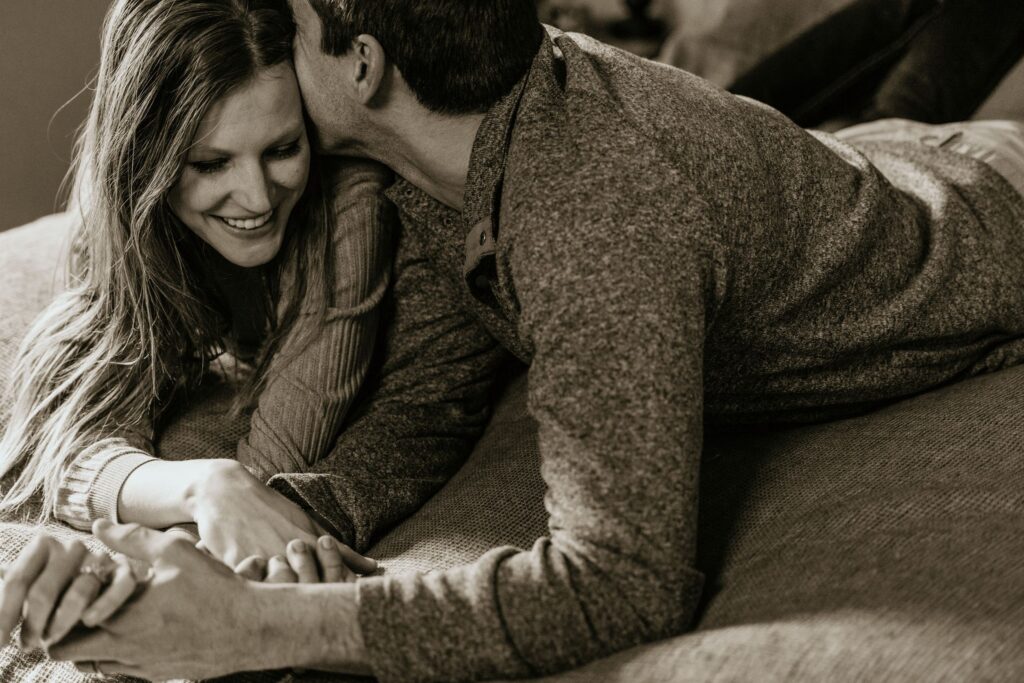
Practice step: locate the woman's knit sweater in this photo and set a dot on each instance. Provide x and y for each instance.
(311, 382)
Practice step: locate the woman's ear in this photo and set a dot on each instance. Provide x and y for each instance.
(370, 66)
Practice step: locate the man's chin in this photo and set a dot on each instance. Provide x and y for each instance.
(343, 148)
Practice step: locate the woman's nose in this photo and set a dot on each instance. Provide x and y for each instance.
(253, 188)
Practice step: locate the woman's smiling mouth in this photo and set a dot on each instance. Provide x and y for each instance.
(247, 223)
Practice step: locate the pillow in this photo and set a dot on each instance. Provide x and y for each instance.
(721, 39)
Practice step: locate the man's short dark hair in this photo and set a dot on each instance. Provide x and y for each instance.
(458, 56)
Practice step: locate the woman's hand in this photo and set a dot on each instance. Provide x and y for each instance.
(55, 585)
(238, 517)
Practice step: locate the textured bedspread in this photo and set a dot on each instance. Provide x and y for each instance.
(884, 547)
(504, 505)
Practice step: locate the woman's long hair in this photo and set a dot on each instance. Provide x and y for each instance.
(137, 321)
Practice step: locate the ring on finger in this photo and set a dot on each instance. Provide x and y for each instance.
(141, 573)
(99, 570)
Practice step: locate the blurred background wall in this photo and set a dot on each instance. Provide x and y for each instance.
(48, 51)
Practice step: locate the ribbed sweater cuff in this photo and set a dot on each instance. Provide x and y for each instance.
(92, 486)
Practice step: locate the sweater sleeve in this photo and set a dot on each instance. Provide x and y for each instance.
(616, 387)
(316, 375)
(91, 485)
(426, 403)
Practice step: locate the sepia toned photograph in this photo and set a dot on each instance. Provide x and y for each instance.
(568, 341)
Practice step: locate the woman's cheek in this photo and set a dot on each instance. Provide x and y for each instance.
(194, 194)
(294, 173)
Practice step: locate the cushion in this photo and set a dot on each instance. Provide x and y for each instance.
(884, 547)
(721, 39)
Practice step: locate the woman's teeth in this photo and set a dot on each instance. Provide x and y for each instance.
(248, 223)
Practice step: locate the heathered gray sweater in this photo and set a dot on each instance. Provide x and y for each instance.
(662, 254)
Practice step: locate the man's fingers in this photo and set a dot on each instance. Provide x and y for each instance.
(360, 564)
(357, 563)
(253, 568)
(120, 590)
(279, 571)
(135, 541)
(332, 564)
(83, 645)
(111, 669)
(303, 562)
(77, 598)
(18, 579)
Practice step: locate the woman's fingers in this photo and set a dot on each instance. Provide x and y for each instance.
(62, 567)
(253, 568)
(302, 561)
(18, 579)
(279, 571)
(332, 564)
(122, 587)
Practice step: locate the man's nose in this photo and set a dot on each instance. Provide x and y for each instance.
(253, 190)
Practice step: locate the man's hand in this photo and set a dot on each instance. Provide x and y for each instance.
(327, 562)
(196, 619)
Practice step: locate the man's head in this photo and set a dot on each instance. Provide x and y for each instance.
(353, 57)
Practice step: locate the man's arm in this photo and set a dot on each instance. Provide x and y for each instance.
(616, 386)
(423, 409)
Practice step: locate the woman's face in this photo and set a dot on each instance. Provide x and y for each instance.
(246, 169)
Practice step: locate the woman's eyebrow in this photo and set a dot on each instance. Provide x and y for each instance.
(283, 139)
(290, 136)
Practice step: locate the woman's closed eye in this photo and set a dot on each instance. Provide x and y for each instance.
(286, 151)
(277, 153)
(211, 166)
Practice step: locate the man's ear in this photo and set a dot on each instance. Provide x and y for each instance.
(370, 66)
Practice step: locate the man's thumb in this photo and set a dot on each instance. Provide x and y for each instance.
(135, 541)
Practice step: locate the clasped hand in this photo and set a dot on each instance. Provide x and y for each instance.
(57, 585)
(239, 516)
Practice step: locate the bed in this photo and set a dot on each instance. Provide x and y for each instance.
(885, 547)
